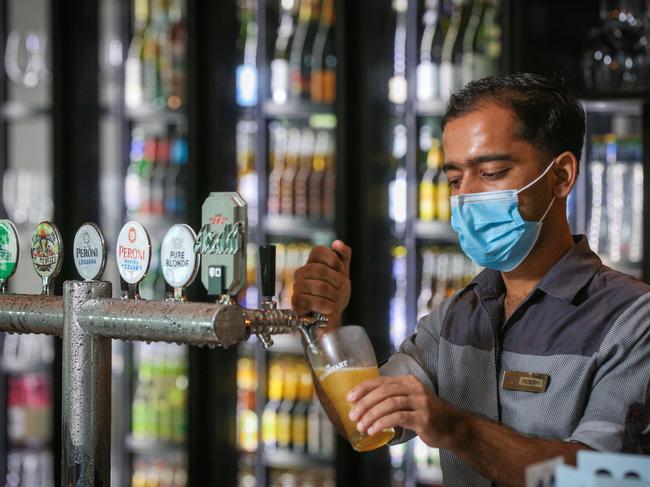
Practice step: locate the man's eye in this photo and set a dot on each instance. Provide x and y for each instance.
(454, 183)
(495, 175)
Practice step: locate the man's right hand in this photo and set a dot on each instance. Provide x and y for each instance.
(323, 284)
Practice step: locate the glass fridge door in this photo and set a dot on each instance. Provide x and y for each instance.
(607, 203)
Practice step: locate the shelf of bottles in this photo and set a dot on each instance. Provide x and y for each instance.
(144, 150)
(286, 152)
(297, 437)
(452, 42)
(608, 204)
(26, 398)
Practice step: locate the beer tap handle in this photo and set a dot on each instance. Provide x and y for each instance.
(267, 277)
(267, 271)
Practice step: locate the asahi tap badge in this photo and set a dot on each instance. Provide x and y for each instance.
(133, 252)
(179, 262)
(47, 253)
(9, 252)
(89, 251)
(222, 244)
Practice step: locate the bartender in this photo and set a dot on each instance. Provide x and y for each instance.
(547, 351)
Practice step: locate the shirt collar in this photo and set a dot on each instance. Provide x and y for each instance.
(567, 276)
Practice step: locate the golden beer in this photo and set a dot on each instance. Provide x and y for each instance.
(337, 384)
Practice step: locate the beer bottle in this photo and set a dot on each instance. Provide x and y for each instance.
(146, 168)
(317, 179)
(308, 49)
(132, 179)
(426, 286)
(329, 184)
(158, 174)
(470, 40)
(297, 49)
(246, 174)
(280, 81)
(427, 72)
(285, 412)
(304, 172)
(246, 416)
(133, 66)
(301, 410)
(142, 417)
(323, 76)
(314, 428)
(428, 183)
(278, 152)
(178, 393)
(451, 76)
(287, 206)
(178, 42)
(442, 191)
(270, 413)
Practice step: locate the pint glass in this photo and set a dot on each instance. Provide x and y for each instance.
(343, 359)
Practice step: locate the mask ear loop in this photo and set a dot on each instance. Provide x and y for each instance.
(548, 168)
(547, 209)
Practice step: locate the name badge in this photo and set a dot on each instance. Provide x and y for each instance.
(525, 381)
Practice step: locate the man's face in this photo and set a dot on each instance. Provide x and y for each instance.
(484, 153)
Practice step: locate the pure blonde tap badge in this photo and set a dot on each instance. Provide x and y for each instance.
(179, 261)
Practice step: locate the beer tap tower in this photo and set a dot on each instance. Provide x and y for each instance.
(87, 319)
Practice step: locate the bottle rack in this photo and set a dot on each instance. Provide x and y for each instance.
(424, 247)
(144, 112)
(297, 127)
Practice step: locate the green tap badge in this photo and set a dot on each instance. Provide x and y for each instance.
(9, 250)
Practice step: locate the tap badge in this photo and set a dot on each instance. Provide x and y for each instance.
(222, 243)
(9, 249)
(133, 252)
(179, 261)
(47, 251)
(89, 251)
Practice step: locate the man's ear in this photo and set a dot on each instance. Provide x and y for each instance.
(565, 171)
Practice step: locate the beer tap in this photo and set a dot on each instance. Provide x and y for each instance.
(267, 278)
(306, 325)
(47, 254)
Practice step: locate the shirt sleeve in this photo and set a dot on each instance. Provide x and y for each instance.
(622, 379)
(418, 356)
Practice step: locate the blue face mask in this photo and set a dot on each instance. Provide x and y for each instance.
(491, 231)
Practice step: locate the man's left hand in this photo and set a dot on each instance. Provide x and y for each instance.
(390, 402)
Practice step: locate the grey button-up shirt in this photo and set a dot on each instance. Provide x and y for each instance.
(585, 325)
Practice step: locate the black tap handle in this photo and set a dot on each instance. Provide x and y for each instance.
(267, 270)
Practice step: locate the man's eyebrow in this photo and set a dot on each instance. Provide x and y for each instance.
(477, 160)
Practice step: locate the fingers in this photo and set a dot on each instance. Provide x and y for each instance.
(365, 387)
(304, 303)
(384, 408)
(318, 288)
(321, 272)
(344, 252)
(401, 419)
(389, 388)
(326, 256)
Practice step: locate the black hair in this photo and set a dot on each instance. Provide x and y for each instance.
(550, 118)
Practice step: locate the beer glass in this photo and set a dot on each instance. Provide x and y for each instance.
(343, 359)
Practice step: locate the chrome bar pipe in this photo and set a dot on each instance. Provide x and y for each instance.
(86, 393)
(164, 321)
(26, 313)
(87, 319)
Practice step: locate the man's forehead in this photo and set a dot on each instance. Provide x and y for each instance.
(490, 128)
